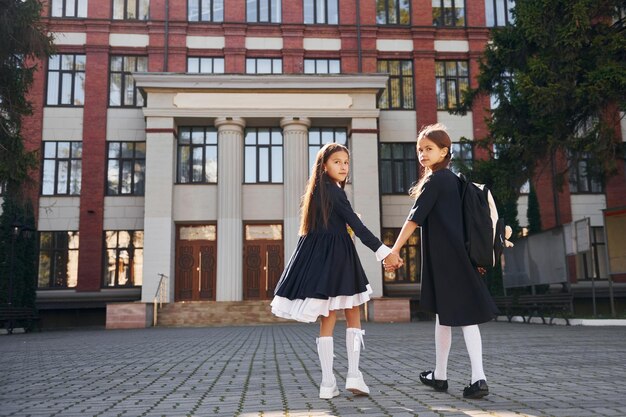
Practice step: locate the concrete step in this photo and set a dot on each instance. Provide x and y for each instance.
(212, 313)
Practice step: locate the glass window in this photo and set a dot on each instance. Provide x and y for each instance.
(124, 258)
(320, 136)
(462, 156)
(68, 8)
(58, 260)
(66, 80)
(263, 155)
(410, 253)
(582, 178)
(450, 13)
(62, 168)
(321, 11)
(452, 78)
(398, 167)
(205, 10)
(399, 92)
(393, 12)
(122, 90)
(322, 66)
(197, 155)
(263, 11)
(203, 65)
(131, 9)
(126, 167)
(264, 66)
(499, 12)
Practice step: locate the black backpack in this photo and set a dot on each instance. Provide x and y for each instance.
(483, 229)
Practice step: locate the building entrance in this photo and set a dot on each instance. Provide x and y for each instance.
(262, 260)
(196, 254)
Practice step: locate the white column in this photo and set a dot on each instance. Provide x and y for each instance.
(364, 167)
(295, 142)
(159, 232)
(229, 209)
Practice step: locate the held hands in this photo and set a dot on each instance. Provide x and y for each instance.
(392, 262)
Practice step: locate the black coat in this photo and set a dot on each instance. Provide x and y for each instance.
(451, 286)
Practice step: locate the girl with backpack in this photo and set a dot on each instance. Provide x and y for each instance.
(452, 287)
(324, 273)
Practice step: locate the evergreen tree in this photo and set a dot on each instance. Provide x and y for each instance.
(534, 217)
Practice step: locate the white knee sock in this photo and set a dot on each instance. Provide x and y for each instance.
(354, 340)
(443, 341)
(325, 352)
(474, 346)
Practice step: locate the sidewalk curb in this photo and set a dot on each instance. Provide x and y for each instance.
(562, 322)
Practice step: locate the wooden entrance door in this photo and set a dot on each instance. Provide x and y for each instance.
(263, 260)
(196, 255)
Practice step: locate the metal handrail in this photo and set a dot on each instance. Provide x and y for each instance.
(161, 296)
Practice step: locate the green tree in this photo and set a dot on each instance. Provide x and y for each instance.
(558, 75)
(533, 213)
(24, 42)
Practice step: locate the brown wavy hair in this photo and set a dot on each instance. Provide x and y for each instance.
(439, 135)
(315, 187)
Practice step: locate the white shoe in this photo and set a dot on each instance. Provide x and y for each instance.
(356, 385)
(326, 393)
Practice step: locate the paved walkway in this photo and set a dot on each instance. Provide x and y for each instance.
(533, 370)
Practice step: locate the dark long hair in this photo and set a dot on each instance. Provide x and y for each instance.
(438, 134)
(315, 187)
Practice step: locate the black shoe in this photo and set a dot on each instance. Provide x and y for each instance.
(438, 384)
(477, 390)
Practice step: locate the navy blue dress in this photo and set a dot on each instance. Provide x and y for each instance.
(451, 286)
(324, 272)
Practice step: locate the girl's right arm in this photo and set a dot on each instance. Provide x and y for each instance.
(407, 230)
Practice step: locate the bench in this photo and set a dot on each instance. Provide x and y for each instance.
(543, 306)
(11, 316)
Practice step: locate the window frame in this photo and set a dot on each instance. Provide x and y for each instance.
(64, 14)
(387, 93)
(256, 65)
(507, 7)
(316, 7)
(70, 165)
(316, 61)
(120, 168)
(576, 177)
(462, 149)
(201, 60)
(447, 78)
(257, 147)
(125, 75)
(54, 256)
(388, 236)
(132, 251)
(74, 73)
(408, 149)
(204, 145)
(213, 7)
(398, 13)
(440, 21)
(270, 3)
(313, 148)
(125, 10)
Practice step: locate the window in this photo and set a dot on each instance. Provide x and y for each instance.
(498, 12)
(263, 11)
(203, 65)
(130, 9)
(197, 155)
(393, 12)
(126, 167)
(62, 168)
(66, 80)
(124, 258)
(122, 91)
(263, 155)
(449, 13)
(205, 10)
(399, 92)
(461, 156)
(320, 136)
(410, 253)
(582, 178)
(58, 260)
(264, 66)
(68, 8)
(452, 79)
(322, 66)
(321, 11)
(398, 167)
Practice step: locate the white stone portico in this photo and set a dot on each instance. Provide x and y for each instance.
(232, 103)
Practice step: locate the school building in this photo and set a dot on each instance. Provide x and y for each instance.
(176, 138)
